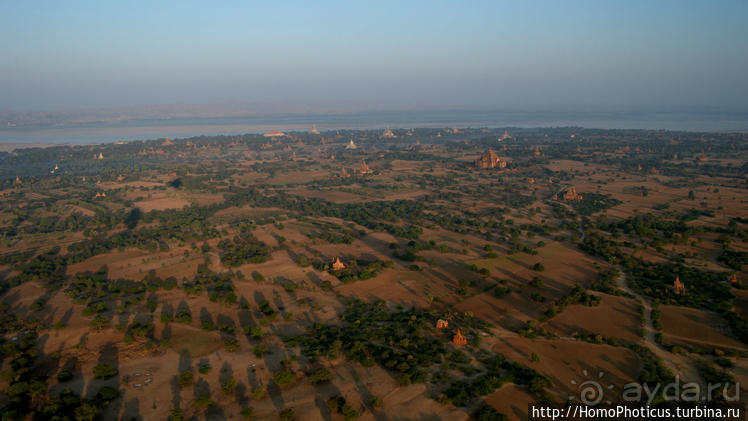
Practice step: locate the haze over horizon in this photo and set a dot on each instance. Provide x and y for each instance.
(487, 55)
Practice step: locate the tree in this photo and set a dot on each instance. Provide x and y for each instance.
(64, 376)
(247, 413)
(107, 393)
(228, 386)
(86, 412)
(320, 375)
(104, 371)
(283, 377)
(287, 415)
(186, 378)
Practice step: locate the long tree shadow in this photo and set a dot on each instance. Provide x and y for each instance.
(108, 356)
(131, 411)
(185, 363)
(206, 319)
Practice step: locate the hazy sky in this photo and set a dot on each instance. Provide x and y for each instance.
(520, 54)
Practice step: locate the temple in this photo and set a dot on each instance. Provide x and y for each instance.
(365, 168)
(570, 195)
(441, 324)
(314, 130)
(388, 134)
(459, 338)
(337, 264)
(351, 145)
(679, 288)
(274, 133)
(505, 136)
(490, 159)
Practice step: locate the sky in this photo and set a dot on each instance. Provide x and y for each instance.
(616, 55)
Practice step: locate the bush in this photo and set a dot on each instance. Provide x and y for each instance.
(287, 415)
(320, 375)
(203, 401)
(104, 371)
(64, 376)
(247, 413)
(186, 378)
(258, 392)
(488, 413)
(107, 393)
(228, 387)
(284, 377)
(259, 350)
(538, 267)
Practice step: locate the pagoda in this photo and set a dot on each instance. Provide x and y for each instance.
(314, 130)
(459, 338)
(441, 324)
(365, 168)
(679, 288)
(337, 264)
(388, 134)
(571, 195)
(351, 145)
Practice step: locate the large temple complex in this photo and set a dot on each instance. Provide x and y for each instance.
(570, 195)
(489, 160)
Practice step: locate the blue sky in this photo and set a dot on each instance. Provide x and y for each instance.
(484, 54)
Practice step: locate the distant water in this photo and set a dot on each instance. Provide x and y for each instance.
(180, 128)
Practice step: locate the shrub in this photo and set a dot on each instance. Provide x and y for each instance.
(320, 375)
(228, 386)
(203, 401)
(107, 393)
(287, 415)
(247, 413)
(64, 376)
(186, 378)
(284, 377)
(258, 392)
(104, 371)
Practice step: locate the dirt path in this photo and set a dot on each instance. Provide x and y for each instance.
(678, 364)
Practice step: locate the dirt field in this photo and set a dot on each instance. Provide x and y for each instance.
(688, 326)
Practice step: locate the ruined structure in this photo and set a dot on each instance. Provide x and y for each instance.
(490, 160)
(679, 288)
(441, 324)
(459, 338)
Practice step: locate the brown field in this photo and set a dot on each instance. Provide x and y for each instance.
(162, 204)
(565, 361)
(689, 326)
(615, 317)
